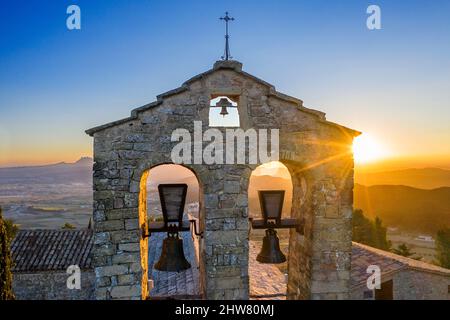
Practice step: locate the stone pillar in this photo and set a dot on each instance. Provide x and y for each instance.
(319, 260)
(300, 246)
(332, 242)
(116, 252)
(226, 232)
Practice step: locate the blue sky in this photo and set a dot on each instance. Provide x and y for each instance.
(393, 84)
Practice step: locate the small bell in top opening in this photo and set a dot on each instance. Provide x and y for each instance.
(224, 104)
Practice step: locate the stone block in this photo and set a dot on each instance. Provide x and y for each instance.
(131, 224)
(125, 279)
(105, 249)
(332, 211)
(118, 203)
(227, 283)
(135, 267)
(113, 270)
(232, 187)
(99, 215)
(102, 294)
(103, 281)
(112, 225)
(125, 258)
(211, 201)
(129, 247)
(125, 236)
(102, 237)
(125, 291)
(119, 214)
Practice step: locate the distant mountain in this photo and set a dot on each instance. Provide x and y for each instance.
(58, 173)
(266, 182)
(399, 205)
(427, 178)
(405, 207)
(191, 181)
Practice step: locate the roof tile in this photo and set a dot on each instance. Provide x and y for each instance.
(51, 250)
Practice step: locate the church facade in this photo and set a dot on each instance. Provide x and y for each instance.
(316, 152)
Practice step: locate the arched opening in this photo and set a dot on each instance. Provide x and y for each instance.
(268, 281)
(223, 111)
(169, 284)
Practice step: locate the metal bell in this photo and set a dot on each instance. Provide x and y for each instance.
(224, 104)
(270, 251)
(172, 255)
(224, 111)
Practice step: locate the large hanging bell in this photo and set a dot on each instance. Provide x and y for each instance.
(270, 251)
(172, 255)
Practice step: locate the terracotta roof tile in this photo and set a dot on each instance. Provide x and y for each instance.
(51, 250)
(364, 256)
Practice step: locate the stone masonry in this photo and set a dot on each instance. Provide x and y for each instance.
(411, 279)
(316, 152)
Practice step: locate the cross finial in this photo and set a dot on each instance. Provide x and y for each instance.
(227, 18)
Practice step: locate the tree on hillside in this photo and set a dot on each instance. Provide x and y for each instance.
(443, 248)
(380, 235)
(11, 228)
(361, 227)
(6, 292)
(369, 232)
(403, 250)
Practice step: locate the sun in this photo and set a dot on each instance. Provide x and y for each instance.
(367, 149)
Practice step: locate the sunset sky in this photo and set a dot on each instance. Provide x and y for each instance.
(392, 84)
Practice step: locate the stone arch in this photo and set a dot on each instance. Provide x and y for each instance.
(300, 244)
(143, 220)
(232, 119)
(319, 257)
(276, 170)
(274, 176)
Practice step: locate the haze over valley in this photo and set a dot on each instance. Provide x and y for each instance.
(412, 200)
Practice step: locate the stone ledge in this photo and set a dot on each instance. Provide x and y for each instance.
(228, 64)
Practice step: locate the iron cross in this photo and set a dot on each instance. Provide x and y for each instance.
(227, 46)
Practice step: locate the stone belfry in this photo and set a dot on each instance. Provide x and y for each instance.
(316, 152)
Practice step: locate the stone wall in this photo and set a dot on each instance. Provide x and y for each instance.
(411, 284)
(309, 145)
(320, 259)
(51, 285)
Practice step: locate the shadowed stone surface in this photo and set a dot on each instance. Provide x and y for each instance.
(183, 283)
(266, 281)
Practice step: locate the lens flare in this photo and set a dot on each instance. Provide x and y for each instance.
(367, 149)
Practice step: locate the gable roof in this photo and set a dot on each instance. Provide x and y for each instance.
(220, 65)
(51, 250)
(389, 263)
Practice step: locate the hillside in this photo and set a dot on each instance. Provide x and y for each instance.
(405, 207)
(427, 178)
(50, 195)
(256, 183)
(59, 173)
(268, 183)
